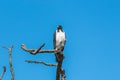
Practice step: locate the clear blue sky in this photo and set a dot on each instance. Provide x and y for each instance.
(92, 27)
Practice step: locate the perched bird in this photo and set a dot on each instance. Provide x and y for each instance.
(59, 40)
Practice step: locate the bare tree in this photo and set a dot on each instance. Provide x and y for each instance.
(60, 73)
(10, 60)
(4, 70)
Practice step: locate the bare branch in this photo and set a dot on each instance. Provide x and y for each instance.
(4, 70)
(10, 61)
(40, 62)
(58, 53)
(39, 50)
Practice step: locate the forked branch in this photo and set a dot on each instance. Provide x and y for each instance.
(39, 50)
(10, 61)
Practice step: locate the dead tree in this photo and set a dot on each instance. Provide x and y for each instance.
(60, 73)
(10, 60)
(4, 70)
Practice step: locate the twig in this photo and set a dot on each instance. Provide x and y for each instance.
(4, 70)
(40, 62)
(10, 61)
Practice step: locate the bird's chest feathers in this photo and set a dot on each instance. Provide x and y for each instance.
(60, 36)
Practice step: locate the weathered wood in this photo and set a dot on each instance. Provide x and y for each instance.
(60, 74)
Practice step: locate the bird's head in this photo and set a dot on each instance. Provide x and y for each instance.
(59, 27)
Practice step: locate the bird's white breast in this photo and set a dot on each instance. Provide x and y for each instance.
(60, 36)
(60, 39)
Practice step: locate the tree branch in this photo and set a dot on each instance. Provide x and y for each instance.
(4, 70)
(60, 74)
(10, 61)
(39, 50)
(40, 62)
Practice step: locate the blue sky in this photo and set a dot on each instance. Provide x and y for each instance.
(92, 51)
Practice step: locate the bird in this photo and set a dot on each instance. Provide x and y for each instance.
(59, 40)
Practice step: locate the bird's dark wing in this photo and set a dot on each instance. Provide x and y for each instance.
(54, 43)
(65, 38)
(64, 42)
(54, 39)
